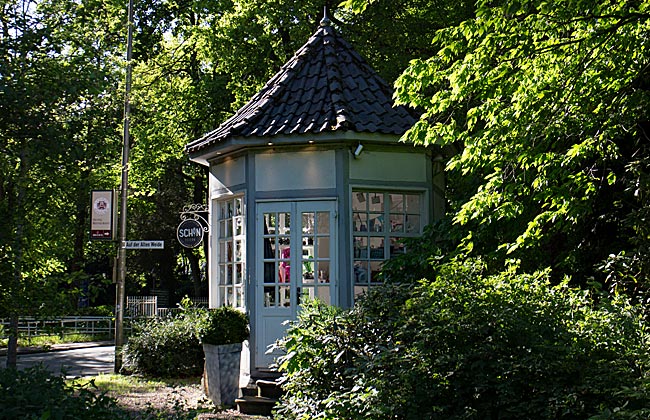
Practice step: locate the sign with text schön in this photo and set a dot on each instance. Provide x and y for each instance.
(190, 233)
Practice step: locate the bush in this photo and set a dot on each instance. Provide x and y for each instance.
(225, 325)
(102, 310)
(166, 347)
(35, 393)
(466, 346)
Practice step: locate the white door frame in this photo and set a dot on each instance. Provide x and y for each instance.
(277, 298)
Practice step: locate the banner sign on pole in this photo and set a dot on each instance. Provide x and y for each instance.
(103, 215)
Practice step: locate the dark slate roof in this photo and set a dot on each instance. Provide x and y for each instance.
(325, 87)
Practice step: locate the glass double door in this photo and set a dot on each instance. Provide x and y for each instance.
(296, 260)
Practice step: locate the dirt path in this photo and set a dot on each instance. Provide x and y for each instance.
(175, 400)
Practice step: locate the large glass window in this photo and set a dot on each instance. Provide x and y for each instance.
(231, 252)
(379, 221)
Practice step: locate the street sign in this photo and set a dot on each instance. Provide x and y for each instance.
(190, 233)
(143, 244)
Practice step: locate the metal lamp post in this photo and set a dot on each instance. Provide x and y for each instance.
(124, 189)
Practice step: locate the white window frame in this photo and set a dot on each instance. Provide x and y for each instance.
(369, 250)
(230, 255)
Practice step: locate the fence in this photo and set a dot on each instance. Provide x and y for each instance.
(89, 325)
(136, 307)
(139, 306)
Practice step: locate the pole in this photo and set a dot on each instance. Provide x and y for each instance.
(124, 190)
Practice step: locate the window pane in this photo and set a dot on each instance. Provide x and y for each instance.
(239, 226)
(377, 248)
(376, 222)
(269, 296)
(285, 296)
(413, 203)
(324, 294)
(238, 250)
(284, 223)
(360, 247)
(323, 222)
(323, 246)
(270, 219)
(269, 272)
(376, 202)
(239, 273)
(375, 268)
(323, 271)
(229, 251)
(229, 274)
(397, 222)
(239, 207)
(223, 252)
(396, 247)
(396, 203)
(412, 223)
(222, 274)
(284, 271)
(361, 272)
(308, 223)
(239, 297)
(359, 201)
(360, 223)
(307, 248)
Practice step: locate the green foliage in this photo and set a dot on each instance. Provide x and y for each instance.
(425, 254)
(166, 347)
(469, 345)
(225, 325)
(549, 102)
(34, 393)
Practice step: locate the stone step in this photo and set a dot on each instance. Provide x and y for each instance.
(269, 389)
(260, 397)
(256, 406)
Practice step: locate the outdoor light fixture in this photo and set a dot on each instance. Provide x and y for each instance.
(358, 151)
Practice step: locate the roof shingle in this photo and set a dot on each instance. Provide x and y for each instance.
(325, 87)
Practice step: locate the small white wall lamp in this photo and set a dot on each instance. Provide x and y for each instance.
(357, 151)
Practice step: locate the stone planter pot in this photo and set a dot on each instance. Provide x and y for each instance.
(221, 373)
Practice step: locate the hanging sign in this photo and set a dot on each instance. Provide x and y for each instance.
(193, 225)
(190, 233)
(103, 215)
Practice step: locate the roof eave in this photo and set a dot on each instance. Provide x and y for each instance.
(237, 144)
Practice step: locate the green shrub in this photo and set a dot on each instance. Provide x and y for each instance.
(469, 346)
(225, 325)
(166, 347)
(101, 310)
(35, 393)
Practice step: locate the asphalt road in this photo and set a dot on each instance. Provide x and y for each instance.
(88, 360)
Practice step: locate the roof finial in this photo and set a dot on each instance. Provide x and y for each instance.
(326, 20)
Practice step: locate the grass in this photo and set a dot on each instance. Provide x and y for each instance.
(48, 340)
(122, 383)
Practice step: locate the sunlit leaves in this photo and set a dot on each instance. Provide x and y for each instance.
(542, 96)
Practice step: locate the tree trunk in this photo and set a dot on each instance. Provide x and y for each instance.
(195, 268)
(18, 211)
(12, 348)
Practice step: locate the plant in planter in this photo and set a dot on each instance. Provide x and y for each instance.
(222, 337)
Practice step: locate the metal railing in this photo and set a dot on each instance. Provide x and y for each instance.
(89, 325)
(104, 326)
